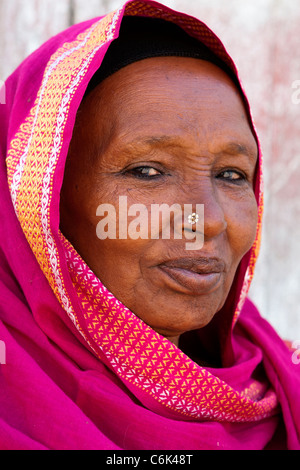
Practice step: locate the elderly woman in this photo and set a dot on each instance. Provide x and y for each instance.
(117, 337)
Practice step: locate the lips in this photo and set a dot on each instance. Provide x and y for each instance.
(196, 275)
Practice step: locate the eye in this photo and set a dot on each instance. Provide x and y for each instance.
(145, 172)
(232, 176)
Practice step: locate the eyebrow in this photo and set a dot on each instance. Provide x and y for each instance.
(161, 140)
(232, 148)
(156, 141)
(235, 148)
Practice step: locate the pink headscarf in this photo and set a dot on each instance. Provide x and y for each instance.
(82, 371)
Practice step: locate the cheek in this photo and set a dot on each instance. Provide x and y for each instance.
(242, 226)
(116, 262)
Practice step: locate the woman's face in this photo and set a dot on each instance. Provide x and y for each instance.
(164, 131)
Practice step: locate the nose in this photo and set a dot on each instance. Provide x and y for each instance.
(214, 216)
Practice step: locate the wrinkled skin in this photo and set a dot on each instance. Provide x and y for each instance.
(164, 130)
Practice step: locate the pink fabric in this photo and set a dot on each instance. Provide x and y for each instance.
(61, 387)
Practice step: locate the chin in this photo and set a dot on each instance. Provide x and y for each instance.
(181, 328)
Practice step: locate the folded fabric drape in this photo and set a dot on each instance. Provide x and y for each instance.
(82, 371)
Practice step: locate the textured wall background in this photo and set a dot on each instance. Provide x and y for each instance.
(263, 38)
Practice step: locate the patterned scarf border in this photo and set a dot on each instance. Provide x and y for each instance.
(141, 357)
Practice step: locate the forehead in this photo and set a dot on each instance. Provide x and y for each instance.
(151, 74)
(169, 96)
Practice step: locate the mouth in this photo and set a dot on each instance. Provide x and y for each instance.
(194, 276)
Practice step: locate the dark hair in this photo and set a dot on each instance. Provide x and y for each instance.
(142, 38)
